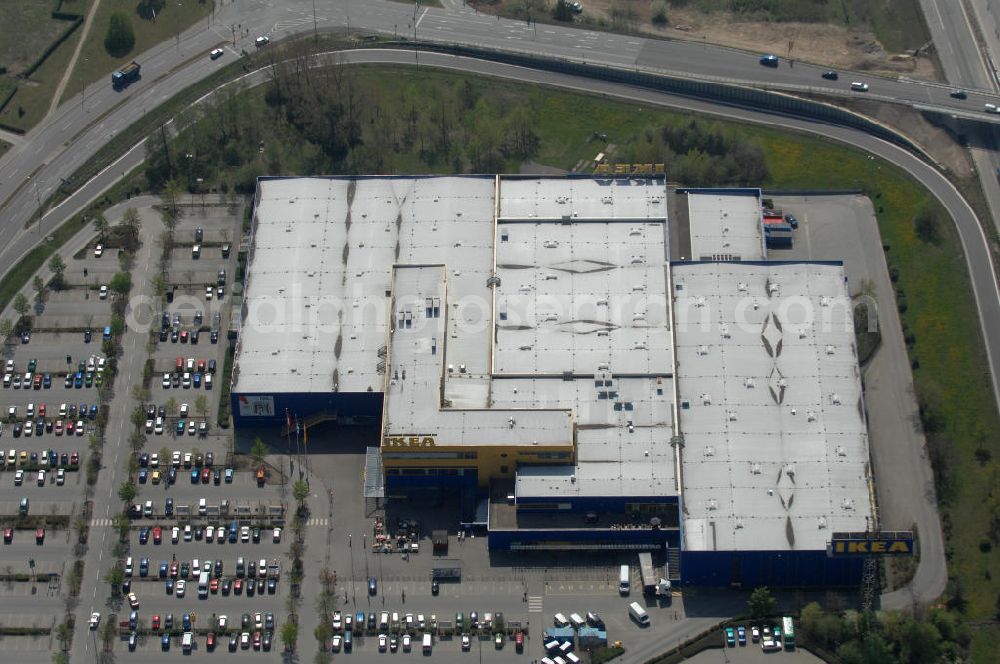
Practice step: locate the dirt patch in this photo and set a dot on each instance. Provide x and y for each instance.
(827, 44)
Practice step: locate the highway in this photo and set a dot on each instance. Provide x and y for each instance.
(71, 136)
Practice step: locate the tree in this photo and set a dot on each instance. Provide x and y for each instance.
(119, 38)
(300, 491)
(101, 225)
(122, 525)
(6, 329)
(115, 575)
(201, 404)
(57, 266)
(127, 492)
(138, 417)
(761, 603)
(928, 225)
(132, 223)
(170, 198)
(121, 283)
(21, 304)
(289, 635)
(258, 451)
(562, 11)
(39, 285)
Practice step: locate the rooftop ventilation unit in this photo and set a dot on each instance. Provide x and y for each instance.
(738, 524)
(703, 350)
(710, 451)
(724, 330)
(773, 289)
(634, 231)
(835, 398)
(731, 415)
(550, 244)
(706, 399)
(841, 452)
(811, 416)
(829, 349)
(755, 469)
(748, 382)
(742, 287)
(821, 523)
(847, 504)
(700, 302)
(711, 504)
(790, 470)
(824, 301)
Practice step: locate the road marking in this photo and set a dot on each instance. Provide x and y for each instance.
(535, 603)
(100, 523)
(316, 521)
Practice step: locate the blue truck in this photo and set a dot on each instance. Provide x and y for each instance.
(126, 75)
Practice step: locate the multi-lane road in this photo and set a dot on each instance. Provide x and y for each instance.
(76, 130)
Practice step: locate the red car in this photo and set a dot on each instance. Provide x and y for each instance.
(8, 535)
(41, 410)
(74, 459)
(210, 641)
(206, 475)
(238, 586)
(184, 337)
(155, 624)
(519, 641)
(157, 535)
(213, 586)
(69, 427)
(173, 570)
(40, 536)
(256, 640)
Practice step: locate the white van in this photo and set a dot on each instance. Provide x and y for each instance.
(203, 585)
(427, 643)
(186, 642)
(624, 580)
(577, 621)
(128, 566)
(196, 251)
(560, 620)
(638, 613)
(546, 660)
(572, 659)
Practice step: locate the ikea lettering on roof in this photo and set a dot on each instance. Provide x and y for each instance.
(896, 544)
(408, 441)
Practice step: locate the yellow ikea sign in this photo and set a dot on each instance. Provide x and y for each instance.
(872, 547)
(408, 441)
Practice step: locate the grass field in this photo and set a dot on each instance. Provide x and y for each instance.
(95, 64)
(31, 21)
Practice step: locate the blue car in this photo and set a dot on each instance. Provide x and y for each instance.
(741, 635)
(82, 410)
(229, 475)
(372, 585)
(170, 586)
(194, 476)
(186, 622)
(163, 570)
(93, 411)
(47, 381)
(233, 530)
(165, 642)
(143, 535)
(144, 567)
(78, 380)
(196, 379)
(143, 476)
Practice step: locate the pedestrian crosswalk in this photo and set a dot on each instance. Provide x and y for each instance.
(317, 521)
(96, 523)
(534, 603)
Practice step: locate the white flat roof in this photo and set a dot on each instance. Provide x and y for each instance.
(725, 225)
(320, 268)
(776, 444)
(581, 198)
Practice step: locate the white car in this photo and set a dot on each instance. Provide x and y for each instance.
(166, 380)
(60, 477)
(223, 621)
(209, 533)
(79, 429)
(245, 534)
(175, 459)
(186, 380)
(18, 477)
(335, 644)
(992, 108)
(188, 533)
(466, 643)
(95, 617)
(175, 534)
(103, 292)
(261, 41)
(337, 620)
(180, 588)
(406, 642)
(216, 53)
(277, 535)
(158, 427)
(184, 410)
(133, 601)
(98, 251)
(154, 460)
(381, 642)
(209, 292)
(149, 426)
(859, 86)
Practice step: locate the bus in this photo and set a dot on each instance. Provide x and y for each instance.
(788, 632)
